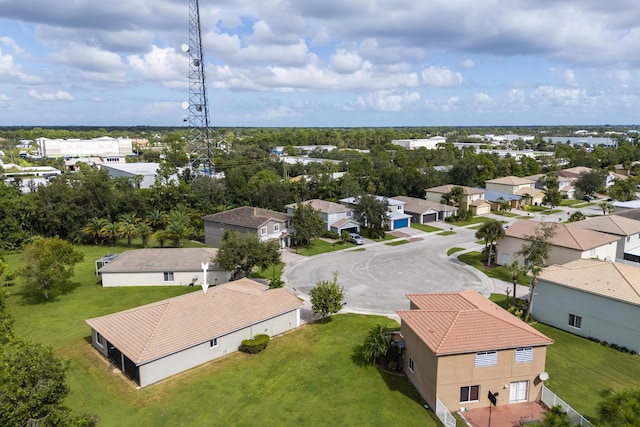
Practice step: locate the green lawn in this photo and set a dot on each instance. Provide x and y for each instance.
(533, 208)
(580, 370)
(424, 227)
(474, 220)
(446, 233)
(319, 246)
(308, 376)
(474, 259)
(454, 250)
(570, 202)
(553, 211)
(505, 213)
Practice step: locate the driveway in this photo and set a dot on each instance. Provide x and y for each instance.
(377, 279)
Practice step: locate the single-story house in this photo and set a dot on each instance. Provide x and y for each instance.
(423, 211)
(509, 184)
(459, 346)
(469, 195)
(336, 217)
(265, 223)
(619, 207)
(155, 341)
(496, 198)
(397, 218)
(626, 229)
(163, 267)
(568, 244)
(144, 172)
(591, 298)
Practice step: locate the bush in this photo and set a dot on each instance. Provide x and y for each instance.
(256, 345)
(328, 234)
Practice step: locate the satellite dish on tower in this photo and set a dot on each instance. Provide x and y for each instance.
(543, 376)
(185, 48)
(185, 105)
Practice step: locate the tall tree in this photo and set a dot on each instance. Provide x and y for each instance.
(240, 253)
(307, 222)
(621, 408)
(372, 213)
(591, 181)
(535, 254)
(49, 262)
(327, 297)
(6, 319)
(490, 231)
(552, 196)
(376, 344)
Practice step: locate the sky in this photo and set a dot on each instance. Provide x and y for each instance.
(322, 63)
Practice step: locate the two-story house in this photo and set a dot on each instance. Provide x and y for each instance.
(523, 187)
(266, 224)
(471, 198)
(336, 217)
(626, 229)
(396, 218)
(459, 346)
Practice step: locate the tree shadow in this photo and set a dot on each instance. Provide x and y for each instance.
(356, 356)
(32, 296)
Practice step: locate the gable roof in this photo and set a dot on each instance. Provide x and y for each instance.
(247, 216)
(415, 205)
(609, 279)
(444, 189)
(532, 191)
(155, 330)
(511, 180)
(567, 235)
(161, 259)
(629, 213)
(611, 224)
(322, 206)
(467, 322)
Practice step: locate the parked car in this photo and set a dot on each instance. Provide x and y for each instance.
(587, 198)
(356, 239)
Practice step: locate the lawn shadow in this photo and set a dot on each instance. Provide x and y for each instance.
(356, 356)
(32, 296)
(397, 381)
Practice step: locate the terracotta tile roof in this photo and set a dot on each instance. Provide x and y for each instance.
(155, 330)
(322, 205)
(532, 191)
(609, 279)
(611, 224)
(567, 235)
(161, 259)
(247, 216)
(443, 189)
(415, 205)
(467, 322)
(511, 180)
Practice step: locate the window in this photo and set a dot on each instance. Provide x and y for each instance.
(263, 231)
(592, 252)
(628, 239)
(276, 227)
(399, 207)
(469, 393)
(411, 364)
(486, 358)
(213, 343)
(506, 258)
(98, 339)
(524, 355)
(575, 321)
(168, 276)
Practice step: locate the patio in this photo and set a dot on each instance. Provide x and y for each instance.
(510, 415)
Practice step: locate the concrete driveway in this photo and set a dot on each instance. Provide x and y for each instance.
(377, 279)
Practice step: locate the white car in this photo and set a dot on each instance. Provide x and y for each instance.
(356, 239)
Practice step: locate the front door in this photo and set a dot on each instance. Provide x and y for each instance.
(519, 391)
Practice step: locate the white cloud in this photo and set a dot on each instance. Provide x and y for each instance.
(162, 65)
(5, 97)
(59, 95)
(467, 64)
(277, 113)
(565, 75)
(483, 101)
(345, 62)
(11, 72)
(441, 77)
(88, 58)
(443, 105)
(13, 45)
(387, 100)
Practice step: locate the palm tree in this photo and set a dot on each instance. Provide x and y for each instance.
(130, 218)
(157, 219)
(490, 231)
(144, 231)
(376, 344)
(177, 230)
(94, 229)
(111, 231)
(515, 269)
(606, 207)
(128, 231)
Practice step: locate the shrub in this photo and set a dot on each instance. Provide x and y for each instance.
(328, 234)
(256, 345)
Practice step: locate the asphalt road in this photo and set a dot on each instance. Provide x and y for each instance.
(377, 279)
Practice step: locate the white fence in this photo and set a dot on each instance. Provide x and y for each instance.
(445, 416)
(550, 399)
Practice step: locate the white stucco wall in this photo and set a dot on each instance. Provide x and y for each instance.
(180, 278)
(558, 255)
(603, 318)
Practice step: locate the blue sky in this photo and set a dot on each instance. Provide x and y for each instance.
(323, 63)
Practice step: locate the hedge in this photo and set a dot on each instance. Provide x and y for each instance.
(256, 345)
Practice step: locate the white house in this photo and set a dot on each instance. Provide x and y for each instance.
(423, 211)
(626, 229)
(397, 219)
(163, 267)
(155, 341)
(592, 298)
(336, 217)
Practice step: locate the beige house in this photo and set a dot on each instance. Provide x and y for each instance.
(336, 217)
(531, 196)
(592, 298)
(568, 244)
(471, 198)
(155, 341)
(266, 224)
(509, 184)
(460, 346)
(163, 267)
(626, 229)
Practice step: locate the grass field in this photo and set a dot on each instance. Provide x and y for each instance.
(474, 259)
(319, 246)
(311, 376)
(474, 220)
(397, 242)
(454, 250)
(424, 227)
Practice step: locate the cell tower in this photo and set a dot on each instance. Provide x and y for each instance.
(198, 140)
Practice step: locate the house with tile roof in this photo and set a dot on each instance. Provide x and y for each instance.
(459, 346)
(471, 198)
(627, 230)
(155, 341)
(509, 184)
(423, 211)
(592, 298)
(568, 244)
(163, 267)
(396, 217)
(265, 223)
(336, 217)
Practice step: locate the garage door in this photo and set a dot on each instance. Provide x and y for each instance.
(400, 223)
